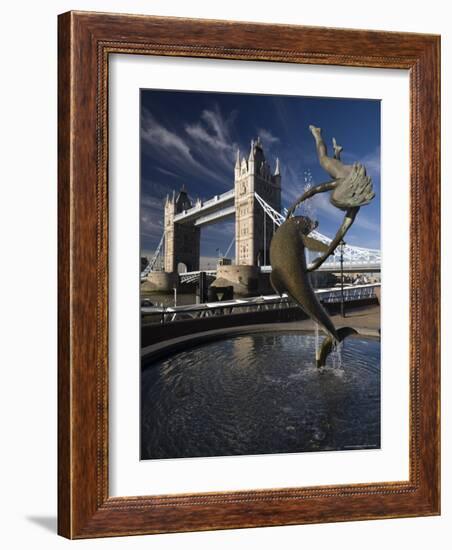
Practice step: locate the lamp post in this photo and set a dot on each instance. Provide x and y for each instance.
(342, 244)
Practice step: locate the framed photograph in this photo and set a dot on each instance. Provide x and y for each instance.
(248, 275)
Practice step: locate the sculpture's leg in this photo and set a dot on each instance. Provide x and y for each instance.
(334, 167)
(349, 218)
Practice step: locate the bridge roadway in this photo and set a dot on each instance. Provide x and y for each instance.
(335, 267)
(216, 209)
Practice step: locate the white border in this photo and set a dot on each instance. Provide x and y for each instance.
(128, 475)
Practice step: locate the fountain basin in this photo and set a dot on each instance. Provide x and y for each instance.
(260, 393)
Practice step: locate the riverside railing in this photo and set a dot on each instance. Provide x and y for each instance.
(163, 315)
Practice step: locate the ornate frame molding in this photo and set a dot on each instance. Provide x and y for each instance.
(85, 42)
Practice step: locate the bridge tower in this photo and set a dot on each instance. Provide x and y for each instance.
(253, 232)
(182, 242)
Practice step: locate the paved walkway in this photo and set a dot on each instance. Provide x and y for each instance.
(365, 320)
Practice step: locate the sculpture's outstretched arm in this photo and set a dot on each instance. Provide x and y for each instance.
(349, 218)
(321, 188)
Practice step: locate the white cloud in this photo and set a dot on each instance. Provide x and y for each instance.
(217, 123)
(168, 172)
(177, 151)
(267, 137)
(151, 202)
(159, 136)
(151, 218)
(214, 131)
(151, 224)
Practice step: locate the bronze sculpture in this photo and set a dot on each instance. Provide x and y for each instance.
(351, 188)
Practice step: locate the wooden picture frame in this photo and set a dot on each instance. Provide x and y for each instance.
(86, 40)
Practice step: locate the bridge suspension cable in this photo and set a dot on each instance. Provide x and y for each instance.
(229, 247)
(271, 212)
(153, 260)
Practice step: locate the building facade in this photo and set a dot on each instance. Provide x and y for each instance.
(254, 229)
(182, 241)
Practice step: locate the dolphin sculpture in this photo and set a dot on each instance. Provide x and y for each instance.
(290, 274)
(351, 188)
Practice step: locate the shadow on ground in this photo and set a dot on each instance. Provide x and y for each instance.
(49, 523)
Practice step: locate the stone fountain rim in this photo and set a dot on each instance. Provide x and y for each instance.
(171, 347)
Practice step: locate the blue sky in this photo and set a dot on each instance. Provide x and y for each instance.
(192, 138)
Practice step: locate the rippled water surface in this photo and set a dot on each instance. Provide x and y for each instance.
(258, 394)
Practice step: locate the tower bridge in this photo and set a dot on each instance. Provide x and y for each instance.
(183, 219)
(255, 203)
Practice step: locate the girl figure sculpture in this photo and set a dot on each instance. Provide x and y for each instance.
(351, 188)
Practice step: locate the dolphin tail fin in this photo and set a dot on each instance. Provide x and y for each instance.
(327, 344)
(345, 331)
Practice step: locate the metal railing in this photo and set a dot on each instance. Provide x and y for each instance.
(272, 302)
(351, 293)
